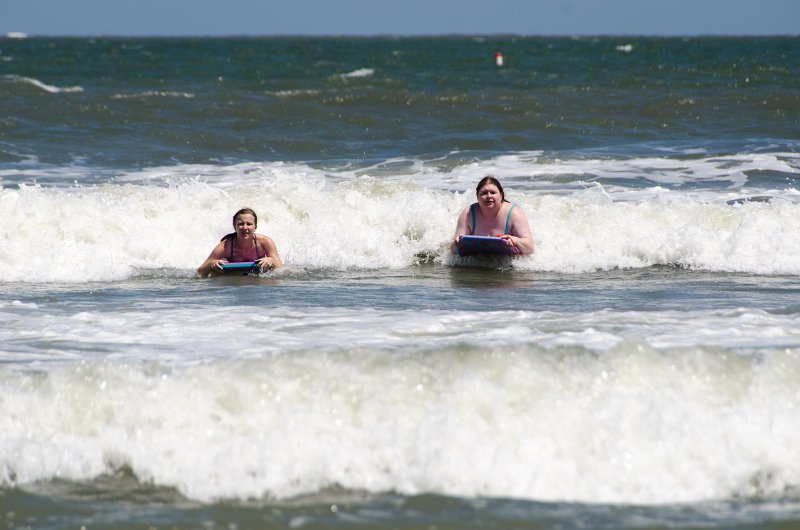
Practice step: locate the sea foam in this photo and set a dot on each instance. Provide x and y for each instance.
(633, 425)
(586, 215)
(107, 232)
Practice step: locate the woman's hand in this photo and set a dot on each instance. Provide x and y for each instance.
(216, 265)
(266, 264)
(509, 239)
(511, 242)
(455, 244)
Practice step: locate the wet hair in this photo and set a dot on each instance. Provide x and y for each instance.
(488, 179)
(245, 211)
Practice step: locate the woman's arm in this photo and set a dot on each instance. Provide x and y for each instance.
(521, 232)
(461, 230)
(272, 260)
(213, 261)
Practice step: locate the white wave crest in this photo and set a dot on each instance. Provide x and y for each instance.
(154, 93)
(361, 72)
(292, 93)
(631, 426)
(349, 220)
(47, 88)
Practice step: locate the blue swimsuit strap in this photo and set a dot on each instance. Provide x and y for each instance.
(472, 211)
(508, 219)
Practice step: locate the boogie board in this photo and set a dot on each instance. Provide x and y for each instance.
(243, 267)
(471, 245)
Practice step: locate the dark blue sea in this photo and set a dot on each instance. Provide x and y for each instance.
(641, 370)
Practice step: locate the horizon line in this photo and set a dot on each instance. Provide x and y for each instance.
(18, 35)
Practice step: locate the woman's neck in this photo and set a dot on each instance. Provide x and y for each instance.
(491, 212)
(242, 243)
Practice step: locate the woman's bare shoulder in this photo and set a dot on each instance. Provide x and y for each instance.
(264, 239)
(517, 211)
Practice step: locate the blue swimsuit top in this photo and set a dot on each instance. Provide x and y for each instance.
(472, 211)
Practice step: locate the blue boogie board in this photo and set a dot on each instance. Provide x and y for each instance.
(471, 245)
(243, 268)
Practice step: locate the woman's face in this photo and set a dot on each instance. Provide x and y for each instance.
(245, 226)
(489, 196)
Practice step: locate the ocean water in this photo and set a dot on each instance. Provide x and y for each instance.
(640, 370)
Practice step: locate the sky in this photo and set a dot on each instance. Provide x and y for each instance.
(398, 17)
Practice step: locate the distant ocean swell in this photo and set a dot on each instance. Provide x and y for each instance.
(633, 425)
(134, 102)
